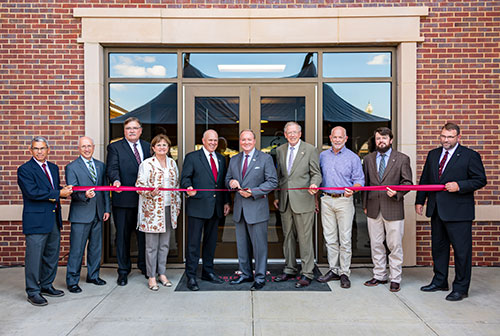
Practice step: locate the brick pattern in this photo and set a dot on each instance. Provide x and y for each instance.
(41, 87)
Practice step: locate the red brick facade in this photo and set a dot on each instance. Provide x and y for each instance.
(41, 91)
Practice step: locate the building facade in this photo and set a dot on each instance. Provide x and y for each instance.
(69, 70)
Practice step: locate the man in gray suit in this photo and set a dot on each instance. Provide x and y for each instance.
(253, 175)
(87, 212)
(298, 167)
(385, 210)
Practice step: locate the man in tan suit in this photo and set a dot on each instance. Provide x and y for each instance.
(298, 167)
(385, 210)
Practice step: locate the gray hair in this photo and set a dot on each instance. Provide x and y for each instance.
(290, 123)
(210, 130)
(40, 139)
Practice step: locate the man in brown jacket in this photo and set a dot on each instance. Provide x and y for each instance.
(385, 210)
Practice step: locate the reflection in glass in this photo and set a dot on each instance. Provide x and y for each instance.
(371, 64)
(135, 65)
(249, 65)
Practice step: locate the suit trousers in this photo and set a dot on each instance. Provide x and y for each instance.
(80, 234)
(157, 247)
(380, 229)
(251, 241)
(197, 226)
(125, 223)
(41, 257)
(336, 216)
(459, 234)
(298, 226)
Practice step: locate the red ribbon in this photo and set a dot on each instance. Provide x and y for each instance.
(406, 187)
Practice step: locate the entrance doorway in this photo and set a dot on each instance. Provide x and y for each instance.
(265, 109)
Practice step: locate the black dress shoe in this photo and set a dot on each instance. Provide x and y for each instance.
(374, 282)
(456, 296)
(98, 281)
(303, 282)
(433, 288)
(74, 289)
(240, 280)
(344, 281)
(212, 277)
(257, 286)
(37, 300)
(51, 291)
(122, 280)
(192, 284)
(329, 276)
(284, 277)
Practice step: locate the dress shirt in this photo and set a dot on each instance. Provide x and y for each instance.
(207, 155)
(450, 154)
(91, 162)
(386, 158)
(343, 169)
(250, 155)
(48, 170)
(139, 148)
(296, 148)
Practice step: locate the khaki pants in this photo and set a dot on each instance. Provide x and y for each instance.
(379, 230)
(336, 218)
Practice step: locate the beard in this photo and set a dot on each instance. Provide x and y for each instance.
(382, 149)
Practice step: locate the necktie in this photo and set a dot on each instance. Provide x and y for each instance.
(44, 166)
(290, 160)
(245, 166)
(441, 164)
(93, 174)
(214, 167)
(381, 167)
(136, 153)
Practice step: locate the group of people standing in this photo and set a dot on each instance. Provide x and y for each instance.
(295, 179)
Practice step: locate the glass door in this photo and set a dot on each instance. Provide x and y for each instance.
(263, 108)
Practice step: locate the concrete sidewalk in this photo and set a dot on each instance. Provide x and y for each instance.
(135, 310)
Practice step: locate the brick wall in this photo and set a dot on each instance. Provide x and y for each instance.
(41, 90)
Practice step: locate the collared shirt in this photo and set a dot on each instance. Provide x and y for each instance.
(207, 155)
(386, 157)
(250, 155)
(450, 154)
(343, 169)
(46, 166)
(139, 148)
(295, 149)
(91, 162)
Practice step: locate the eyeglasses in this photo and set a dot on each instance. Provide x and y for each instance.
(132, 128)
(292, 132)
(38, 149)
(448, 137)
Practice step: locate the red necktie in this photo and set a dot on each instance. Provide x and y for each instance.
(214, 167)
(136, 153)
(44, 166)
(245, 166)
(441, 164)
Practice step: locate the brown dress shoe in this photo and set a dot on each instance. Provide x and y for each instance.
(284, 277)
(303, 282)
(394, 287)
(329, 276)
(344, 281)
(374, 282)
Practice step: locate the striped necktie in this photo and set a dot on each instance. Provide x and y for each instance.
(381, 167)
(93, 174)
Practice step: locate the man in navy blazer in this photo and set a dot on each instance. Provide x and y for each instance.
(461, 170)
(124, 158)
(42, 221)
(204, 169)
(88, 210)
(253, 175)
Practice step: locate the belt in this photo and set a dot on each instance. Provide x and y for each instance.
(333, 194)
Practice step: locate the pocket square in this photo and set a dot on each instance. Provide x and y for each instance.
(257, 168)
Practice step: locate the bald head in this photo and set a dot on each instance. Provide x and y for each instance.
(338, 138)
(210, 140)
(86, 147)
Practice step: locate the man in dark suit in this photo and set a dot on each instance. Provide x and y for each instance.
(124, 157)
(40, 185)
(461, 170)
(298, 167)
(88, 210)
(385, 210)
(253, 175)
(204, 169)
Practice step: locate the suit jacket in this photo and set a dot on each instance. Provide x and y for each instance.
(83, 209)
(464, 167)
(197, 173)
(122, 166)
(41, 202)
(261, 178)
(397, 171)
(305, 171)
